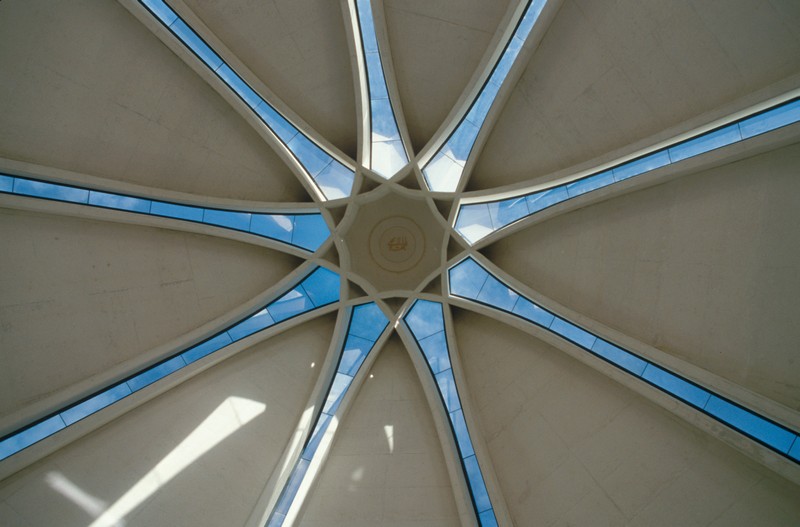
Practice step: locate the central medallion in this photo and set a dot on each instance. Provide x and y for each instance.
(396, 244)
(394, 239)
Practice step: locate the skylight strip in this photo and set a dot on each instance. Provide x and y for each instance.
(316, 290)
(387, 151)
(425, 319)
(331, 177)
(444, 171)
(477, 220)
(367, 323)
(774, 436)
(306, 231)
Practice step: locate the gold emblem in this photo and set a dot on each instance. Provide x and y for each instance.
(398, 243)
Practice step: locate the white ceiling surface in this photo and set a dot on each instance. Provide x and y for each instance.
(157, 457)
(573, 447)
(436, 47)
(386, 466)
(703, 267)
(86, 87)
(608, 74)
(80, 297)
(299, 49)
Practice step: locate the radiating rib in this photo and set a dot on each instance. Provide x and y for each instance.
(306, 230)
(479, 218)
(385, 152)
(366, 325)
(331, 177)
(317, 289)
(444, 169)
(472, 281)
(425, 319)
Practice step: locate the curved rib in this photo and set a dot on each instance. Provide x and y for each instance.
(357, 336)
(426, 323)
(291, 228)
(318, 288)
(323, 170)
(445, 168)
(384, 148)
(473, 282)
(482, 217)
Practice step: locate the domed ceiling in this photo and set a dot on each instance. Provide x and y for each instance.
(399, 262)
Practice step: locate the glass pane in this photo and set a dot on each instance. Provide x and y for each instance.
(529, 18)
(770, 120)
(425, 318)
(462, 435)
(96, 403)
(388, 158)
(590, 183)
(312, 157)
(368, 321)
(341, 383)
(377, 84)
(250, 325)
(238, 85)
(322, 287)
(573, 333)
(384, 127)
(619, 356)
(467, 279)
(447, 387)
(545, 198)
(487, 519)
(119, 202)
(530, 311)
(196, 44)
(497, 294)
(206, 348)
(676, 386)
(181, 212)
(276, 226)
(355, 351)
(442, 173)
(773, 435)
(155, 373)
(6, 183)
(704, 143)
(161, 10)
(367, 25)
(25, 438)
(310, 231)
(292, 486)
(292, 303)
(316, 436)
(435, 350)
(459, 146)
(794, 452)
(483, 103)
(642, 165)
(475, 478)
(506, 61)
(474, 222)
(226, 218)
(276, 122)
(507, 211)
(335, 181)
(40, 189)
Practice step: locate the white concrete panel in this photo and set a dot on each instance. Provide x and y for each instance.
(86, 87)
(572, 447)
(436, 46)
(298, 48)
(196, 455)
(704, 267)
(386, 466)
(78, 297)
(608, 74)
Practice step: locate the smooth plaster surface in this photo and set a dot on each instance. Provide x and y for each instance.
(386, 466)
(299, 49)
(703, 267)
(78, 297)
(217, 488)
(608, 74)
(573, 447)
(86, 87)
